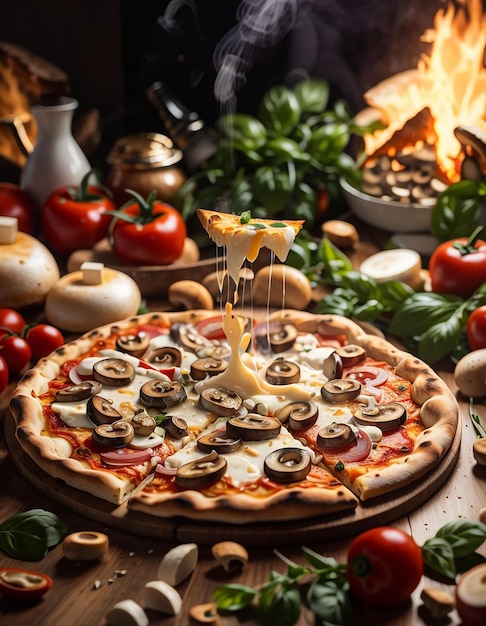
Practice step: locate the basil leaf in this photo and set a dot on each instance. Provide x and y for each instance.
(28, 536)
(439, 555)
(330, 601)
(279, 110)
(464, 536)
(244, 131)
(281, 607)
(312, 95)
(336, 263)
(55, 527)
(456, 212)
(421, 311)
(282, 149)
(440, 339)
(233, 597)
(393, 293)
(272, 188)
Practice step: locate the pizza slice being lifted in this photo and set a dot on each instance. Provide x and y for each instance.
(244, 236)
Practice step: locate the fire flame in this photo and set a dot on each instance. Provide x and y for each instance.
(450, 82)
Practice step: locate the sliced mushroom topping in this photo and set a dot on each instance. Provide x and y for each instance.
(222, 402)
(351, 355)
(166, 356)
(143, 424)
(386, 416)
(220, 441)
(208, 366)
(283, 339)
(301, 414)
(335, 435)
(113, 371)
(162, 393)
(332, 366)
(175, 426)
(253, 427)
(186, 335)
(101, 411)
(201, 472)
(282, 372)
(288, 465)
(115, 435)
(341, 390)
(135, 345)
(81, 391)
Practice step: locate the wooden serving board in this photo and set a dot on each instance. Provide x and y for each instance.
(378, 511)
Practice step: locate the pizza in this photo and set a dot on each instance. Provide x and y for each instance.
(232, 416)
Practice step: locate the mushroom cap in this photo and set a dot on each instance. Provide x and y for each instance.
(76, 306)
(28, 271)
(190, 295)
(470, 374)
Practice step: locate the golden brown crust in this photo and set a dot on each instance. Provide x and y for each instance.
(289, 504)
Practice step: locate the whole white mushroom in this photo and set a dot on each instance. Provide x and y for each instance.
(470, 374)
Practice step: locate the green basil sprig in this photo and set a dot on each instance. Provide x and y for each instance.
(279, 600)
(435, 323)
(29, 535)
(454, 541)
(456, 212)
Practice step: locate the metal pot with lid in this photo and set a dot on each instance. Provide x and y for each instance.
(144, 162)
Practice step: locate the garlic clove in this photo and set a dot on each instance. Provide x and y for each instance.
(178, 563)
(160, 596)
(126, 613)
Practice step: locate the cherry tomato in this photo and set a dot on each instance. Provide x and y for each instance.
(75, 217)
(23, 584)
(3, 374)
(459, 266)
(15, 202)
(43, 339)
(385, 566)
(476, 328)
(16, 352)
(148, 232)
(11, 319)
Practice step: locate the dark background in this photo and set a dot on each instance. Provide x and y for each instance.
(112, 50)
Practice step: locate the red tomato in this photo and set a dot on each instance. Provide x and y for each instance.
(476, 328)
(16, 352)
(385, 566)
(148, 232)
(3, 374)
(74, 218)
(15, 202)
(11, 319)
(43, 339)
(11, 586)
(458, 266)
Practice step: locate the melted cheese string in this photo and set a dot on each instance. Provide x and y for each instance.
(238, 376)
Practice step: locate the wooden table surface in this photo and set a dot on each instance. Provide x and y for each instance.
(133, 560)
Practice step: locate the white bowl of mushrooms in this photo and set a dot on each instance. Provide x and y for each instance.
(386, 214)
